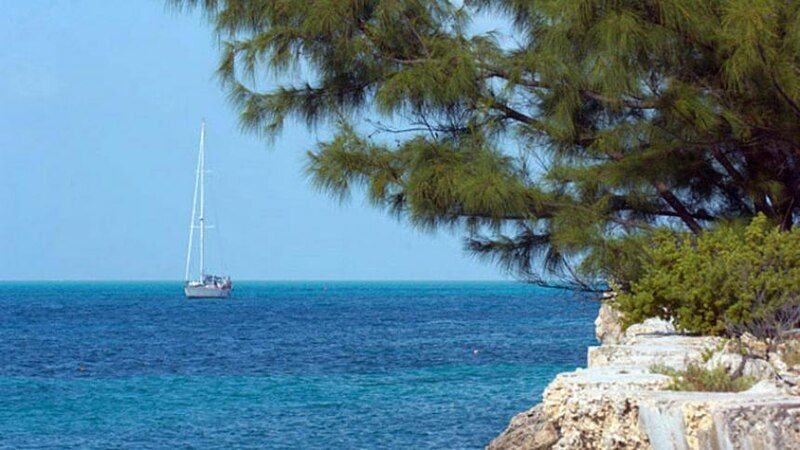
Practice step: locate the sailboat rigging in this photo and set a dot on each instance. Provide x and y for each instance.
(208, 285)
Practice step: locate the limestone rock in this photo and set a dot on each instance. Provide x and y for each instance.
(759, 369)
(530, 430)
(593, 408)
(768, 387)
(787, 355)
(754, 346)
(732, 362)
(789, 374)
(791, 383)
(736, 364)
(777, 362)
(652, 326)
(755, 419)
(647, 350)
(618, 404)
(607, 325)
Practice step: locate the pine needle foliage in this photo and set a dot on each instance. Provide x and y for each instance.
(641, 114)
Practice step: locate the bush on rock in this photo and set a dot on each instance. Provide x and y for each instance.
(729, 280)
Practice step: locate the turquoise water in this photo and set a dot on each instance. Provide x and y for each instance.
(280, 365)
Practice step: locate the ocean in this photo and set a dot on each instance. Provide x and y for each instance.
(289, 365)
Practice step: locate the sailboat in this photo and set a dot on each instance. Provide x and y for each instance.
(208, 285)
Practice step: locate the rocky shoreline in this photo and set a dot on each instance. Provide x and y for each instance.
(617, 402)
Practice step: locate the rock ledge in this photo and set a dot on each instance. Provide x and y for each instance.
(617, 403)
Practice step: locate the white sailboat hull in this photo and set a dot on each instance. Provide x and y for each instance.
(206, 292)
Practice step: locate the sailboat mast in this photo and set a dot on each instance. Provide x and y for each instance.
(194, 212)
(202, 199)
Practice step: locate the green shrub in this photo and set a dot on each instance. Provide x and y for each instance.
(706, 354)
(724, 280)
(698, 378)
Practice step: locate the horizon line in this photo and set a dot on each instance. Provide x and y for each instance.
(273, 280)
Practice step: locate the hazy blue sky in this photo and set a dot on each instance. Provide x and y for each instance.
(100, 105)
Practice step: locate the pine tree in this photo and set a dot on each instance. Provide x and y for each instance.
(596, 122)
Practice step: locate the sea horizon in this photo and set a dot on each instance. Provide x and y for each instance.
(290, 280)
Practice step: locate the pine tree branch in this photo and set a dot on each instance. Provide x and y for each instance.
(635, 104)
(678, 207)
(792, 104)
(739, 179)
(511, 113)
(672, 200)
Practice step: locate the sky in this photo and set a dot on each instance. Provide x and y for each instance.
(100, 108)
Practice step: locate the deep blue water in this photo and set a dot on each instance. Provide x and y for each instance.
(279, 365)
